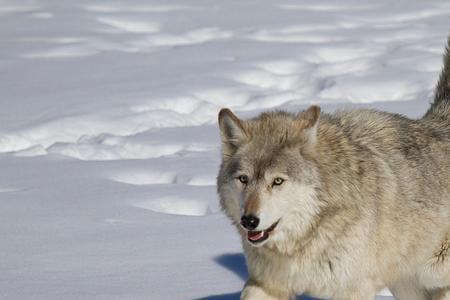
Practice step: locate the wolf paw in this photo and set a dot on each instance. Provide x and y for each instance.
(253, 292)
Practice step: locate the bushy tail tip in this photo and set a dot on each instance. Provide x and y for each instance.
(440, 107)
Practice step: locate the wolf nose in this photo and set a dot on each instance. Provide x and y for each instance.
(250, 222)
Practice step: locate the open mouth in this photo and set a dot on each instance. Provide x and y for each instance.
(256, 237)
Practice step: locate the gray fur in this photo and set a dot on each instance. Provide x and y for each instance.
(365, 203)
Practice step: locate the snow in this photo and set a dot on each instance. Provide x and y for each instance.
(109, 146)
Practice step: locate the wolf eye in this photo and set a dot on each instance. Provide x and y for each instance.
(277, 181)
(243, 179)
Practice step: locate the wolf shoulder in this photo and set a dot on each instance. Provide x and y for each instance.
(390, 132)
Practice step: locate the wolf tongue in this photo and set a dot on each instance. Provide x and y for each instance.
(256, 235)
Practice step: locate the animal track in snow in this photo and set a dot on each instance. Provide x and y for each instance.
(144, 177)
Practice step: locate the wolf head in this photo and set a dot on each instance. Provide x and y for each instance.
(268, 178)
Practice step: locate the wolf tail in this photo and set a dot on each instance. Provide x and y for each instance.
(440, 108)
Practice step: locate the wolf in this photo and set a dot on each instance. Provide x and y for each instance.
(341, 205)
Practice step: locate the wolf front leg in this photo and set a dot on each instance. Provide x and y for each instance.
(255, 291)
(356, 296)
(362, 292)
(409, 289)
(442, 294)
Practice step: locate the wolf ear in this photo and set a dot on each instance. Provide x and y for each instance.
(232, 132)
(307, 123)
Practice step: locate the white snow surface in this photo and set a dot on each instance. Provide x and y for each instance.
(109, 145)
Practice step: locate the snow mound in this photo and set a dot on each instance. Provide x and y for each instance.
(176, 206)
(144, 177)
(202, 181)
